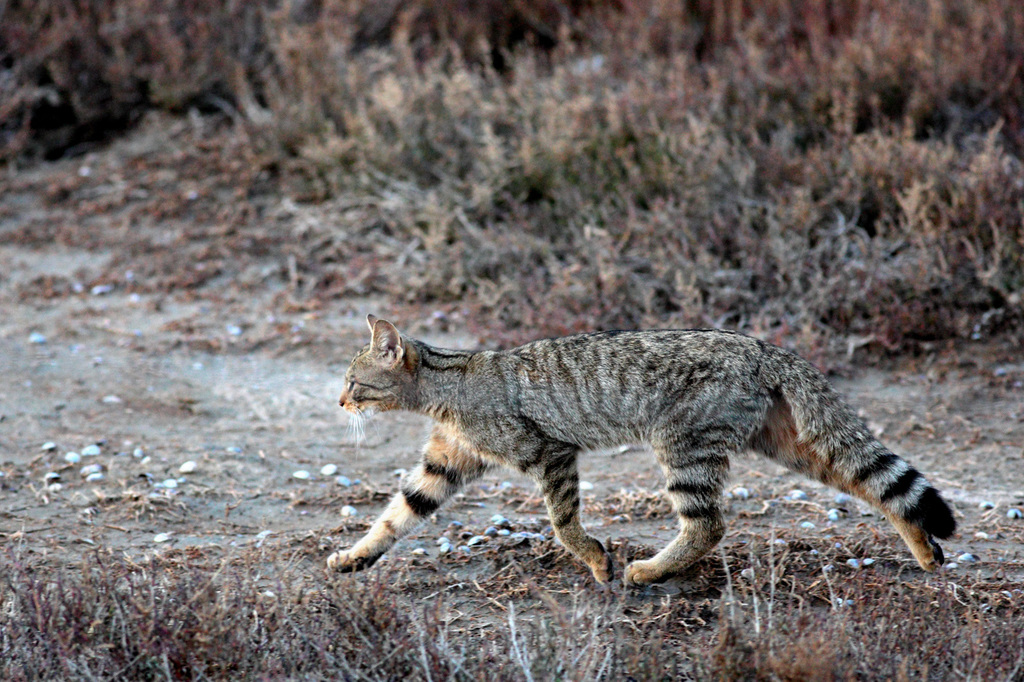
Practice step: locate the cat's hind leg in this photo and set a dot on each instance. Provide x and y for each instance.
(695, 466)
(445, 467)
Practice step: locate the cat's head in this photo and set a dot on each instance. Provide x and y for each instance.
(382, 374)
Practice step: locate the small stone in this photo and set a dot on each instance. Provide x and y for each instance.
(807, 525)
(52, 476)
(138, 453)
(37, 338)
(982, 535)
(49, 446)
(91, 469)
(328, 469)
(441, 540)
(834, 514)
(162, 537)
(234, 449)
(101, 289)
(477, 540)
(867, 562)
(779, 541)
(499, 520)
(72, 458)
(234, 330)
(169, 483)
(1014, 513)
(748, 574)
(188, 467)
(419, 551)
(586, 485)
(843, 498)
(853, 563)
(465, 549)
(349, 510)
(491, 532)
(111, 399)
(967, 558)
(455, 524)
(344, 481)
(797, 495)
(301, 474)
(741, 493)
(398, 472)
(91, 450)
(54, 487)
(952, 565)
(986, 505)
(94, 477)
(445, 548)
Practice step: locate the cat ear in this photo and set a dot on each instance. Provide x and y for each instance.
(371, 320)
(387, 341)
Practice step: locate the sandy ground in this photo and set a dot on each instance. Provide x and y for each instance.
(239, 373)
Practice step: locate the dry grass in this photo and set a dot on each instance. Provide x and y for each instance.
(267, 614)
(845, 173)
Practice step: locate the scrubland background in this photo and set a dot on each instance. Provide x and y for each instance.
(811, 170)
(200, 200)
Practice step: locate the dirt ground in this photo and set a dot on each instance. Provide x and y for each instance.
(164, 339)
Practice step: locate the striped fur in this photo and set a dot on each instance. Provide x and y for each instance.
(697, 396)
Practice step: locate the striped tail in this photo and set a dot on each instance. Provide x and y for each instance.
(832, 444)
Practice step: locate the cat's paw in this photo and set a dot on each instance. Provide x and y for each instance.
(642, 573)
(604, 572)
(345, 561)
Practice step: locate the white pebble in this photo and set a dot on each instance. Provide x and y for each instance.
(808, 525)
(477, 540)
(138, 453)
(951, 565)
(95, 477)
(586, 485)
(748, 574)
(72, 458)
(169, 483)
(797, 495)
(967, 558)
(101, 289)
(111, 399)
(52, 476)
(162, 537)
(441, 540)
(1014, 513)
(91, 469)
(982, 535)
(49, 445)
(188, 467)
(499, 520)
(843, 498)
(853, 563)
(90, 450)
(867, 562)
(36, 337)
(779, 541)
(328, 469)
(419, 551)
(349, 510)
(834, 515)
(54, 487)
(741, 493)
(301, 474)
(445, 548)
(986, 505)
(234, 330)
(343, 480)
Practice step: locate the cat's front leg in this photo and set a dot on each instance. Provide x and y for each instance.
(446, 466)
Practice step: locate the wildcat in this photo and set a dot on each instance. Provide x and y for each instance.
(696, 396)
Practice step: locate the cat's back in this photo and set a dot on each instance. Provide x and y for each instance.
(597, 386)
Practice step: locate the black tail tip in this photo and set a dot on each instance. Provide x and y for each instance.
(933, 514)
